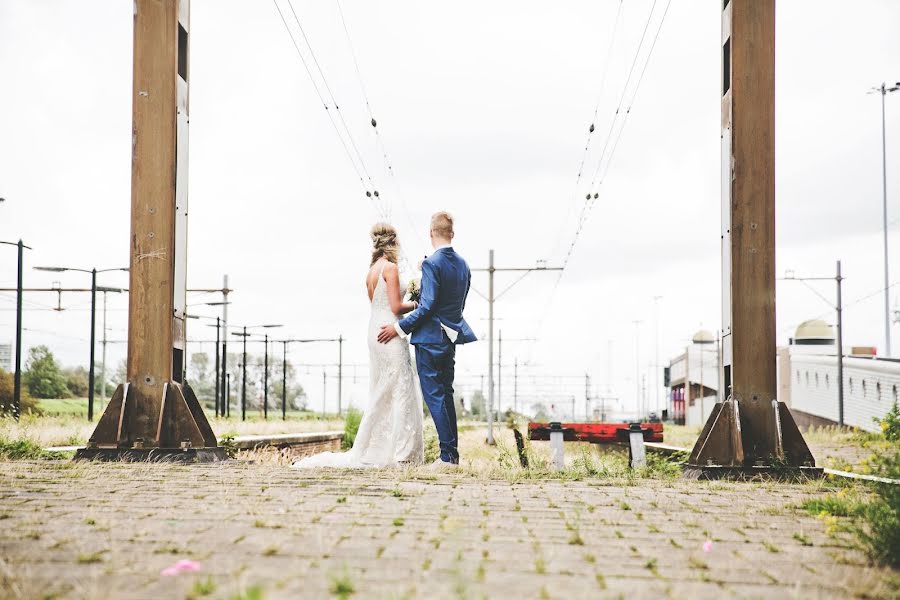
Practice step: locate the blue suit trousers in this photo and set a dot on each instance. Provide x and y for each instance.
(436, 364)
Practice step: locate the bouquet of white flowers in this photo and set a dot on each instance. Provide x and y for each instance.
(414, 290)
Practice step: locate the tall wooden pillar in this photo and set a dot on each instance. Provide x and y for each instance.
(750, 430)
(155, 413)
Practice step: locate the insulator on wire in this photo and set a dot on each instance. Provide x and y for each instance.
(588, 197)
(376, 193)
(596, 194)
(374, 124)
(591, 130)
(368, 194)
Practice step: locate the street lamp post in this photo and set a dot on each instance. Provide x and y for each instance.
(245, 335)
(17, 376)
(884, 90)
(266, 379)
(93, 273)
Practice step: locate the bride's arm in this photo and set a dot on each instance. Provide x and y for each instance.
(392, 278)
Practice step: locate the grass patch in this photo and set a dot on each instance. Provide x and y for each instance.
(25, 449)
(342, 586)
(90, 558)
(254, 592)
(201, 589)
(352, 419)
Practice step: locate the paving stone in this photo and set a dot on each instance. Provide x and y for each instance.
(108, 530)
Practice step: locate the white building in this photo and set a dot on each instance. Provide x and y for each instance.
(6, 357)
(808, 382)
(694, 380)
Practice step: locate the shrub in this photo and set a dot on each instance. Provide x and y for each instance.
(890, 424)
(882, 537)
(352, 419)
(24, 449)
(7, 390)
(77, 381)
(43, 375)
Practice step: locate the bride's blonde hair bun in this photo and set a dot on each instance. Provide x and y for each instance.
(384, 242)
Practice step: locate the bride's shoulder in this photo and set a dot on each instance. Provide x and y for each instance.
(390, 268)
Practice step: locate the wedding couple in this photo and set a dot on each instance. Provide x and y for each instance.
(391, 429)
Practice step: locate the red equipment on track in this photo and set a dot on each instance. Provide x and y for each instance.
(597, 433)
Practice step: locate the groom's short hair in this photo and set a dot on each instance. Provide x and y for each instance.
(442, 224)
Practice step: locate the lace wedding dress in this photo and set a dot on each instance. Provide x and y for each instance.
(391, 429)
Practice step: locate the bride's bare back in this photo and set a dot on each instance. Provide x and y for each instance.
(388, 271)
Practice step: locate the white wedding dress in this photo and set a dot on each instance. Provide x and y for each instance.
(391, 429)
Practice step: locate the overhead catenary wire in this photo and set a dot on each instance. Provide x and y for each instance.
(593, 193)
(357, 162)
(592, 127)
(588, 202)
(379, 140)
(633, 96)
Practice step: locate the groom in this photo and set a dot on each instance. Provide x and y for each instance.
(437, 326)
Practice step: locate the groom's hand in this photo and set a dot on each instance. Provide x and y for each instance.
(387, 334)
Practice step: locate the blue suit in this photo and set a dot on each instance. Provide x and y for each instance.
(445, 285)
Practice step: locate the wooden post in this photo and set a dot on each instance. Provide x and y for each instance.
(750, 429)
(154, 411)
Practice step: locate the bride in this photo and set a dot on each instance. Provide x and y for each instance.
(391, 429)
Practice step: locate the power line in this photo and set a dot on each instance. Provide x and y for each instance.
(334, 102)
(389, 167)
(591, 128)
(592, 196)
(634, 94)
(360, 168)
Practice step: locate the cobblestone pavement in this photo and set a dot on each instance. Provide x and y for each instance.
(77, 530)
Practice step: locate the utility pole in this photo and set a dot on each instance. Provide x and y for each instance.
(840, 346)
(219, 402)
(516, 386)
(656, 365)
(490, 410)
(244, 377)
(225, 291)
(637, 366)
(324, 391)
(751, 431)
(340, 371)
(266, 379)
(491, 298)
(587, 396)
(284, 384)
(227, 391)
(93, 344)
(499, 372)
(839, 334)
(103, 356)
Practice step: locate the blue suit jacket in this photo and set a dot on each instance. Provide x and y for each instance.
(445, 285)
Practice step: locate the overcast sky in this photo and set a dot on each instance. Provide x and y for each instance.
(483, 109)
